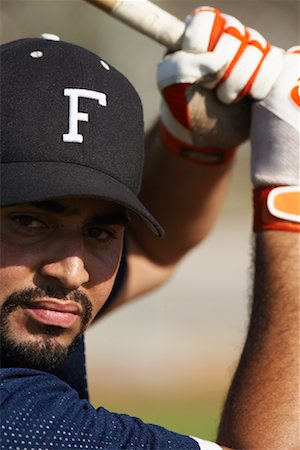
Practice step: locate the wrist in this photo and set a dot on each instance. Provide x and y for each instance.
(211, 156)
(276, 208)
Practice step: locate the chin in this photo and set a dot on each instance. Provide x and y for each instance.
(41, 352)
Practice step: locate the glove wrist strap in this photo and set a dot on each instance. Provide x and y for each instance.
(276, 208)
(200, 155)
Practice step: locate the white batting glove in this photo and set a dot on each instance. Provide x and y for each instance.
(275, 128)
(275, 143)
(214, 42)
(220, 53)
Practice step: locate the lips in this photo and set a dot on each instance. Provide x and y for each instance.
(54, 312)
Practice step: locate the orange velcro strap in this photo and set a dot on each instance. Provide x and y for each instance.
(277, 208)
(201, 155)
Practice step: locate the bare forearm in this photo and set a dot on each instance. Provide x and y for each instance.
(184, 196)
(262, 407)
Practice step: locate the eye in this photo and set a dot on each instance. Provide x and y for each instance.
(28, 221)
(99, 233)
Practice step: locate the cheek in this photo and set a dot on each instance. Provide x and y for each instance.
(16, 269)
(104, 275)
(15, 255)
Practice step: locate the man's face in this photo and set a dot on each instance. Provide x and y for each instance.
(59, 260)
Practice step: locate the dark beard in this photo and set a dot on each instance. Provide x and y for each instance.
(44, 354)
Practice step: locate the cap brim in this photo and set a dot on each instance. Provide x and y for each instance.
(30, 182)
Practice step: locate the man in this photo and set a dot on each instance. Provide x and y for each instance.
(73, 238)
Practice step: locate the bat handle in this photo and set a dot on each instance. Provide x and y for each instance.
(147, 18)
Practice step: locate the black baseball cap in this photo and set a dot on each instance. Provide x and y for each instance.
(71, 125)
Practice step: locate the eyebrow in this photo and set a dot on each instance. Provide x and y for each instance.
(113, 218)
(53, 206)
(105, 218)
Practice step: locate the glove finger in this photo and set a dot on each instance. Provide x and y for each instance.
(244, 65)
(267, 73)
(252, 70)
(294, 49)
(185, 67)
(295, 91)
(242, 58)
(204, 26)
(284, 97)
(234, 26)
(229, 47)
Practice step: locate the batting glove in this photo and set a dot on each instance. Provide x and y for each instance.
(275, 155)
(220, 53)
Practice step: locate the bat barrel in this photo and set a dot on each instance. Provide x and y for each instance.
(147, 18)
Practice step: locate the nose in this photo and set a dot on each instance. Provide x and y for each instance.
(67, 268)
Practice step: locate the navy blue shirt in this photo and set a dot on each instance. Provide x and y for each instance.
(41, 412)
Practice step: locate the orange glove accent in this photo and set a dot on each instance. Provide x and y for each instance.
(277, 208)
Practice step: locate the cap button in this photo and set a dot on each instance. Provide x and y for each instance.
(50, 37)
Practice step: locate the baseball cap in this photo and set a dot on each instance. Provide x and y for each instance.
(71, 125)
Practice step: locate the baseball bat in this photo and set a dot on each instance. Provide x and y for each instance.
(147, 18)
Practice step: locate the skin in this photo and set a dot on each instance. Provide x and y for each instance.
(264, 395)
(73, 245)
(194, 194)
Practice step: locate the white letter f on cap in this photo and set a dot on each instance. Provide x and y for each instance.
(76, 116)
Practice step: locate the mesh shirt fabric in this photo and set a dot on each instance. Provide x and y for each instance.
(41, 412)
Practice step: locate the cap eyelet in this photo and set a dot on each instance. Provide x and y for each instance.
(104, 65)
(36, 54)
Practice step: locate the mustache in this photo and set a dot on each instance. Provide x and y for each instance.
(27, 296)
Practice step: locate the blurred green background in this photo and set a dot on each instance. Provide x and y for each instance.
(169, 356)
